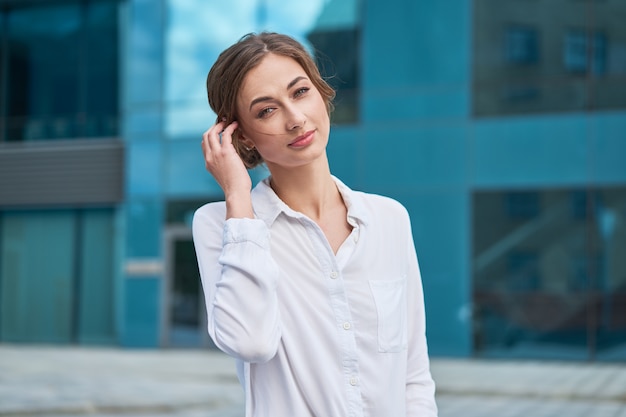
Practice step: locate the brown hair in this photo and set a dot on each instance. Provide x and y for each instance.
(227, 74)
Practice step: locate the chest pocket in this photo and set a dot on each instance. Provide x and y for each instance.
(390, 300)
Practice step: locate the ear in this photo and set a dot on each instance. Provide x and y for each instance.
(244, 140)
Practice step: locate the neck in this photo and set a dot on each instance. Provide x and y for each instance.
(309, 189)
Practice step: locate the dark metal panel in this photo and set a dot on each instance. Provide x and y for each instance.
(81, 172)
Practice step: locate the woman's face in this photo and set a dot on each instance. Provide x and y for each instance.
(282, 114)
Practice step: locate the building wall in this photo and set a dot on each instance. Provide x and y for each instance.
(147, 167)
(418, 140)
(62, 172)
(432, 131)
(413, 145)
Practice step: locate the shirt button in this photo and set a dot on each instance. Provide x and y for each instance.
(356, 237)
(347, 326)
(354, 380)
(334, 275)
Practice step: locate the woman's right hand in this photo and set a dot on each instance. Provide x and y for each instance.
(223, 162)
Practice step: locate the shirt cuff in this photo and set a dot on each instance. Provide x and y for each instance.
(246, 230)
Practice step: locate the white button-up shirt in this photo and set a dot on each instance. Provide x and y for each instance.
(317, 333)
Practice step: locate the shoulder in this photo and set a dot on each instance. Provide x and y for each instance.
(379, 206)
(211, 210)
(210, 216)
(387, 224)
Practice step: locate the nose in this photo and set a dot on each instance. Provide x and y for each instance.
(296, 119)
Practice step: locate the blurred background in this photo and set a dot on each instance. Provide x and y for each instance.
(499, 124)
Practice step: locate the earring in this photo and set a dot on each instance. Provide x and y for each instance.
(247, 148)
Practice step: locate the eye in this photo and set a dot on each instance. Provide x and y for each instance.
(265, 112)
(301, 91)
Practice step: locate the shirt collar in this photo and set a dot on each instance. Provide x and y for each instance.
(267, 205)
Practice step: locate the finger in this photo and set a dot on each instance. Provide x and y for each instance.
(227, 133)
(205, 141)
(211, 137)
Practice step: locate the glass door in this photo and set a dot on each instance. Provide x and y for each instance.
(184, 310)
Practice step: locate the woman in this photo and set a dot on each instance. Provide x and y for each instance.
(314, 288)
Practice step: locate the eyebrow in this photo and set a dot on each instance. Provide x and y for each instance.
(267, 98)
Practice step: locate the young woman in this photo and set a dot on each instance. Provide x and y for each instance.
(314, 288)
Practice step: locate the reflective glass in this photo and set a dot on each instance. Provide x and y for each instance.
(62, 63)
(181, 212)
(186, 307)
(101, 61)
(43, 46)
(198, 30)
(95, 254)
(57, 276)
(548, 56)
(549, 273)
(609, 300)
(36, 276)
(3, 87)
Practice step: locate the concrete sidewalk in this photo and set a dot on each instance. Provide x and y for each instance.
(62, 381)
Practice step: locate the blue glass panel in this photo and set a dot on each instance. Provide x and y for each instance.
(37, 276)
(144, 220)
(551, 284)
(441, 230)
(43, 68)
(96, 315)
(416, 42)
(144, 167)
(523, 151)
(101, 50)
(144, 59)
(62, 77)
(609, 152)
(186, 173)
(2, 78)
(609, 303)
(141, 312)
(554, 59)
(345, 154)
(186, 311)
(414, 156)
(408, 105)
(521, 45)
(142, 122)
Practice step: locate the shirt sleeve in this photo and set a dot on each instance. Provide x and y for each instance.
(239, 279)
(420, 387)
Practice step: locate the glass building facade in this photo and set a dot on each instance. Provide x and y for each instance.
(499, 124)
(60, 70)
(61, 171)
(548, 236)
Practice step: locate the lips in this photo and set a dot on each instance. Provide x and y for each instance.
(303, 140)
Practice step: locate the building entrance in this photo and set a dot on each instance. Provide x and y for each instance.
(183, 301)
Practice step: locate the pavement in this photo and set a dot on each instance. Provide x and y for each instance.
(54, 381)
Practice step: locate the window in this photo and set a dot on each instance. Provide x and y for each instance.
(535, 57)
(550, 280)
(523, 271)
(336, 38)
(522, 205)
(61, 76)
(575, 55)
(584, 51)
(521, 45)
